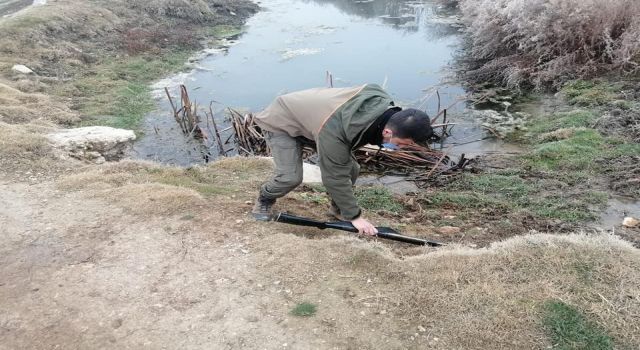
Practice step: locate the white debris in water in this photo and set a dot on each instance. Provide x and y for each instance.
(288, 53)
(172, 82)
(319, 30)
(39, 2)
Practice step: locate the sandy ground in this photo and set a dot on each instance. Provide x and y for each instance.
(75, 277)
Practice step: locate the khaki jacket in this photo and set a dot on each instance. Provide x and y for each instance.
(335, 118)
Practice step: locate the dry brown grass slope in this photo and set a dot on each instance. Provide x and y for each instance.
(372, 295)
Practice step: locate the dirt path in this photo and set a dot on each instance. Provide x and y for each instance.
(81, 273)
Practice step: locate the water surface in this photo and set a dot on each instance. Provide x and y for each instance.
(291, 44)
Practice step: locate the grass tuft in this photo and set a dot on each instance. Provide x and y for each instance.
(569, 329)
(588, 93)
(304, 310)
(378, 198)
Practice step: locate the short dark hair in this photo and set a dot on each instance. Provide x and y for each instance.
(412, 124)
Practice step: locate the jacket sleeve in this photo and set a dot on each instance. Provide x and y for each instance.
(336, 163)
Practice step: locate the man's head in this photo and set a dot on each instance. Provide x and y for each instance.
(407, 127)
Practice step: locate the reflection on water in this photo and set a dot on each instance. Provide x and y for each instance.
(292, 43)
(414, 16)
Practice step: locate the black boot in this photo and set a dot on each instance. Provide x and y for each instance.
(262, 209)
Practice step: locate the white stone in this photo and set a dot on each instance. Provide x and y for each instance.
(96, 143)
(21, 69)
(310, 173)
(630, 222)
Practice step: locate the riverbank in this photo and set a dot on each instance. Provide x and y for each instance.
(135, 254)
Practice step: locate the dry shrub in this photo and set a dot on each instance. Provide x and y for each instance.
(467, 298)
(541, 43)
(625, 123)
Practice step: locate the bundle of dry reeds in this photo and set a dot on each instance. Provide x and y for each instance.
(420, 162)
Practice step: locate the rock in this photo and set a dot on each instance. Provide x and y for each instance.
(94, 143)
(630, 222)
(449, 230)
(21, 69)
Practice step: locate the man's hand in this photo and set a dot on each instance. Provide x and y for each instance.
(364, 227)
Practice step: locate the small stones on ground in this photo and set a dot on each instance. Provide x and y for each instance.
(248, 202)
(422, 329)
(239, 221)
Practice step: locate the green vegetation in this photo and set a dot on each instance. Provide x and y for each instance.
(116, 93)
(378, 198)
(589, 93)
(577, 152)
(304, 310)
(569, 329)
(575, 118)
(314, 197)
(224, 31)
(511, 193)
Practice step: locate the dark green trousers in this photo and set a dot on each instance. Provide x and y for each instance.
(287, 156)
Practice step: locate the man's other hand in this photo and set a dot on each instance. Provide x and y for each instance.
(364, 227)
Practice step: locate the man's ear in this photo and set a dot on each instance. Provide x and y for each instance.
(386, 132)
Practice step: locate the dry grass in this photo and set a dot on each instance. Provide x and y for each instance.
(20, 108)
(460, 298)
(153, 189)
(560, 134)
(372, 295)
(25, 152)
(18, 142)
(541, 43)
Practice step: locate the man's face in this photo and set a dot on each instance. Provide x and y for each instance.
(401, 143)
(387, 137)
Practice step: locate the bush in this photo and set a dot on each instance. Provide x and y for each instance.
(541, 43)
